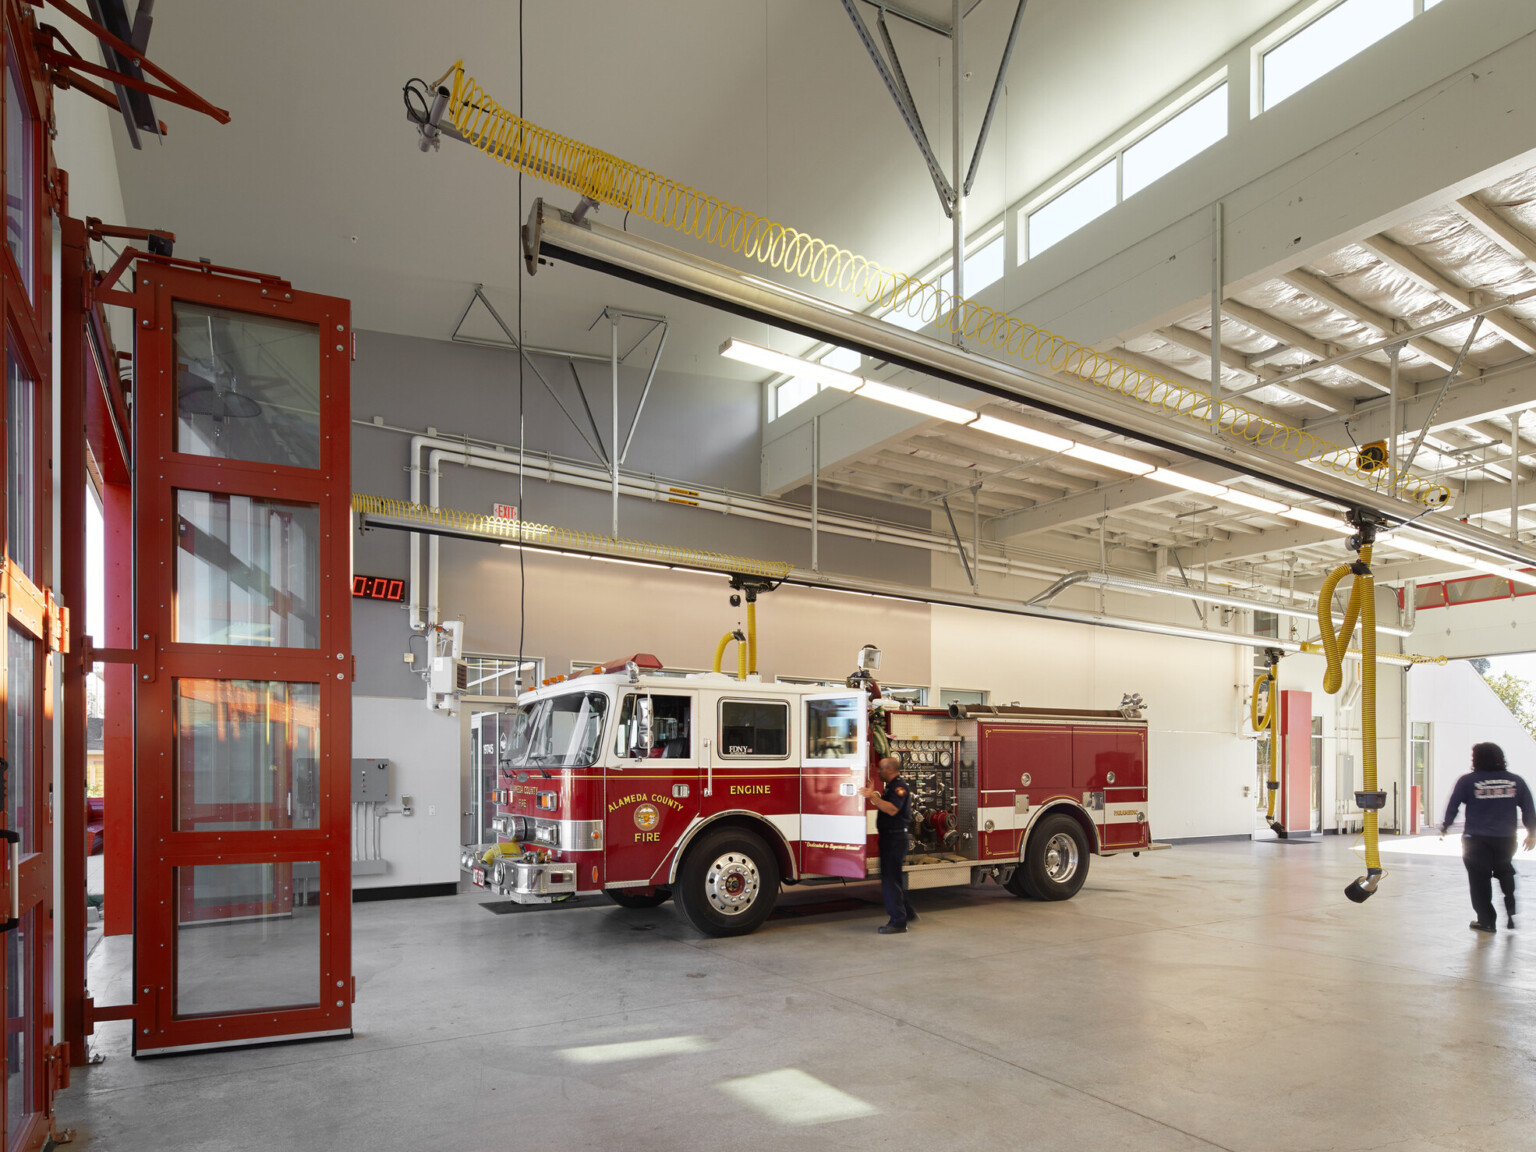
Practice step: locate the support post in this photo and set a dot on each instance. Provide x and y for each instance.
(957, 152)
(970, 573)
(1394, 353)
(613, 442)
(70, 901)
(815, 493)
(976, 534)
(1514, 476)
(1217, 287)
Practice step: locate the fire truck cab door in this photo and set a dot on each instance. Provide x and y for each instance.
(651, 795)
(835, 758)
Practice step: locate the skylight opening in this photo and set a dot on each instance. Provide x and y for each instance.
(1339, 34)
(1183, 137)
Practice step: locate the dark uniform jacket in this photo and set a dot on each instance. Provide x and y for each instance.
(1491, 799)
(897, 793)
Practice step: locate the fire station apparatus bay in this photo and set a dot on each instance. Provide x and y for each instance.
(1211, 996)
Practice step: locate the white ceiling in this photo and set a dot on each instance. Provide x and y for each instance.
(769, 103)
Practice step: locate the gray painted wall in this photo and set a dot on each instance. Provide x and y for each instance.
(698, 429)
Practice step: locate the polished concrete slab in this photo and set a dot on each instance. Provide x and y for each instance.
(1213, 996)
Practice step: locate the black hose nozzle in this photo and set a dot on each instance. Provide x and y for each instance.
(1364, 887)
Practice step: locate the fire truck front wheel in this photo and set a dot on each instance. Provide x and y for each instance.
(1056, 859)
(639, 897)
(728, 883)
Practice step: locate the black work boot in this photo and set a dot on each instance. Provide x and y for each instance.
(1479, 926)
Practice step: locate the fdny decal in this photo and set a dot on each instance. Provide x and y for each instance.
(749, 789)
(646, 817)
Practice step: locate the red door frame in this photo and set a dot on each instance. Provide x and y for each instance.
(30, 603)
(161, 661)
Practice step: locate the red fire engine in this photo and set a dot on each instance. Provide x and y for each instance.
(716, 789)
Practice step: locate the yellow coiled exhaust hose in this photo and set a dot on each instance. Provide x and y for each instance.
(607, 179)
(1362, 606)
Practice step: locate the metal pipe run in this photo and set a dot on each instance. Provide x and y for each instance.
(1130, 583)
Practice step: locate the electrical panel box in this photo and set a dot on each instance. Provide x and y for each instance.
(370, 781)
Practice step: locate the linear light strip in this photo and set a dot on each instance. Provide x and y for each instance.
(1089, 453)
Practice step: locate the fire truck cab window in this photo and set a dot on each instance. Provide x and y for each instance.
(754, 728)
(560, 732)
(672, 728)
(832, 728)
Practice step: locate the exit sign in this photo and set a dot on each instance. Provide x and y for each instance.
(504, 511)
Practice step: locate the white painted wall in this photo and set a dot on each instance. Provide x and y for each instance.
(1463, 711)
(424, 748)
(1199, 761)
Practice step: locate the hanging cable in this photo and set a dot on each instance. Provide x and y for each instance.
(1362, 606)
(522, 513)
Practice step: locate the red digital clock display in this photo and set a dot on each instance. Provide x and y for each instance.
(378, 588)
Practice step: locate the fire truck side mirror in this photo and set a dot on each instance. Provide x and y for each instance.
(645, 724)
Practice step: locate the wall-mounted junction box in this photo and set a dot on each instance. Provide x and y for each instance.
(370, 781)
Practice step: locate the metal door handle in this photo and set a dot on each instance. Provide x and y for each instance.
(15, 917)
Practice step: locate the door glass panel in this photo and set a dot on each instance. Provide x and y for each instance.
(832, 728)
(247, 755)
(248, 937)
(754, 728)
(671, 728)
(21, 464)
(247, 571)
(21, 731)
(20, 1024)
(19, 205)
(247, 387)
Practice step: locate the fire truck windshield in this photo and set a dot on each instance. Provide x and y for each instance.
(559, 732)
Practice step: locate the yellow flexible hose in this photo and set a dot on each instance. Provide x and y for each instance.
(741, 653)
(720, 649)
(1267, 724)
(751, 638)
(1362, 606)
(741, 658)
(607, 179)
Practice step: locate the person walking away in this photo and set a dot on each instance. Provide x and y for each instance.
(1492, 795)
(894, 807)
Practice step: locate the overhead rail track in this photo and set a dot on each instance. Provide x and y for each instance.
(381, 512)
(601, 178)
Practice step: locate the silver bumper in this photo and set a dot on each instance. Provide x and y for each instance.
(529, 882)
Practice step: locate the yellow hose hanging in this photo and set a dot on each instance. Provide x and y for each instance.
(1362, 606)
(751, 638)
(741, 653)
(607, 179)
(1267, 724)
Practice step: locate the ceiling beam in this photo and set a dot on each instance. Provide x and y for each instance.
(1363, 370)
(1276, 540)
(1466, 401)
(1324, 292)
(1498, 228)
(1416, 268)
(1317, 394)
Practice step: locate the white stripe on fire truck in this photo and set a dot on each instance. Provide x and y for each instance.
(829, 829)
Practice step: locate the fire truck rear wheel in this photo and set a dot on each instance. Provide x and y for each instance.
(639, 897)
(1056, 859)
(728, 883)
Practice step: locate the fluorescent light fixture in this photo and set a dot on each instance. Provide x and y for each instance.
(1091, 455)
(634, 563)
(1188, 483)
(1008, 430)
(789, 365)
(1318, 520)
(916, 402)
(1257, 503)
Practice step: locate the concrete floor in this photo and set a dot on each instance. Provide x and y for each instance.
(1213, 996)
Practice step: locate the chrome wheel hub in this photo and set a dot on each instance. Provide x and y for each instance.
(732, 883)
(1061, 857)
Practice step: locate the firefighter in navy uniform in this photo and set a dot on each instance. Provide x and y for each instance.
(1492, 795)
(894, 807)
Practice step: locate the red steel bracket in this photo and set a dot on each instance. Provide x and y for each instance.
(68, 67)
